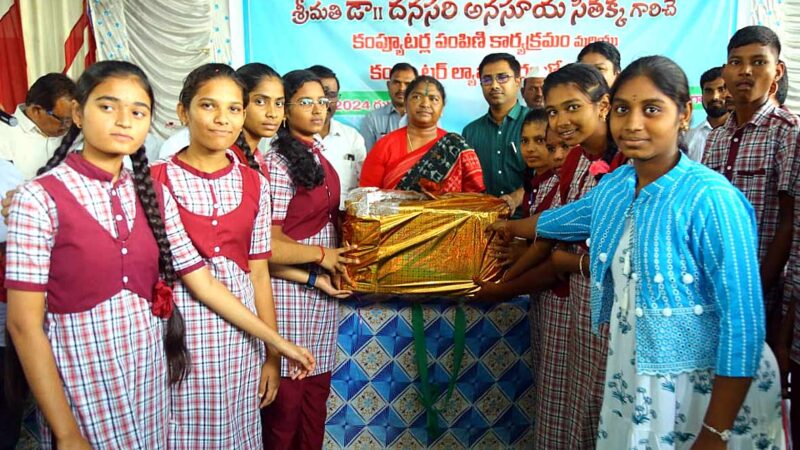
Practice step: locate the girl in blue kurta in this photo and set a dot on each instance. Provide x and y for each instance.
(675, 273)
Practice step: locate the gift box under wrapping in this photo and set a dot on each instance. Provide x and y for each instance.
(407, 245)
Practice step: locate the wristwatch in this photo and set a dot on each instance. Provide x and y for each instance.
(724, 435)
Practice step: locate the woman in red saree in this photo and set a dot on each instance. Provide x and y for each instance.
(422, 156)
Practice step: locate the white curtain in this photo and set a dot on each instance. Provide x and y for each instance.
(167, 39)
(45, 27)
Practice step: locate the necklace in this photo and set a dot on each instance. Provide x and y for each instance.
(410, 145)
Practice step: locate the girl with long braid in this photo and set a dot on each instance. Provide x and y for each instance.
(225, 207)
(265, 114)
(105, 246)
(305, 205)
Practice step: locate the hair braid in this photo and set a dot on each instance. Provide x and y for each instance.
(178, 357)
(304, 170)
(61, 152)
(241, 142)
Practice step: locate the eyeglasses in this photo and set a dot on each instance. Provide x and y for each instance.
(332, 95)
(307, 104)
(502, 78)
(64, 121)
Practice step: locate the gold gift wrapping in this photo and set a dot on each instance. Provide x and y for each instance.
(425, 246)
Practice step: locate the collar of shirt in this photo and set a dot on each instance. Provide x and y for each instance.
(705, 125)
(78, 163)
(388, 110)
(664, 181)
(336, 128)
(760, 118)
(513, 114)
(25, 123)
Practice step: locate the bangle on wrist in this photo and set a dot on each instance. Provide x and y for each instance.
(312, 280)
(723, 435)
(580, 264)
(321, 254)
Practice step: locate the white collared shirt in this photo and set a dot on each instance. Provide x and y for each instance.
(696, 141)
(25, 145)
(344, 148)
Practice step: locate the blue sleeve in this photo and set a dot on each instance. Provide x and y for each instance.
(571, 222)
(367, 131)
(729, 262)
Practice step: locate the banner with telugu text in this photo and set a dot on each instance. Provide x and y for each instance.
(360, 40)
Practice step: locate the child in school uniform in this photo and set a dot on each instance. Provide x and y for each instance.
(106, 245)
(225, 207)
(305, 195)
(755, 149)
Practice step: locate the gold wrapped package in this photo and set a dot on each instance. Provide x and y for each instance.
(410, 245)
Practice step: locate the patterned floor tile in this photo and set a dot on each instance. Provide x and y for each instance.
(489, 441)
(372, 358)
(408, 405)
(365, 441)
(406, 441)
(493, 404)
(368, 403)
(448, 441)
(499, 358)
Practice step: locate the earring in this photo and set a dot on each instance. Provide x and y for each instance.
(284, 122)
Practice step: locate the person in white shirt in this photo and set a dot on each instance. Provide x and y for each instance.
(175, 143)
(382, 121)
(715, 104)
(42, 121)
(343, 146)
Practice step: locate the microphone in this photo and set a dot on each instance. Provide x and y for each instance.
(8, 119)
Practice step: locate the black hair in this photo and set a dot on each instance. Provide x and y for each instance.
(178, 357)
(666, 75)
(783, 88)
(205, 73)
(496, 57)
(536, 115)
(591, 83)
(710, 75)
(756, 34)
(252, 74)
(303, 167)
(425, 79)
(403, 66)
(324, 72)
(46, 91)
(607, 50)
(584, 76)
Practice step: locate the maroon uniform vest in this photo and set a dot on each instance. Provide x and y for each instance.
(311, 209)
(87, 264)
(227, 235)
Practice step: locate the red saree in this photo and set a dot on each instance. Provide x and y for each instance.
(389, 162)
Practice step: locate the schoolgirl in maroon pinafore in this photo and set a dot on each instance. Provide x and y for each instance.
(226, 213)
(85, 237)
(569, 412)
(305, 204)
